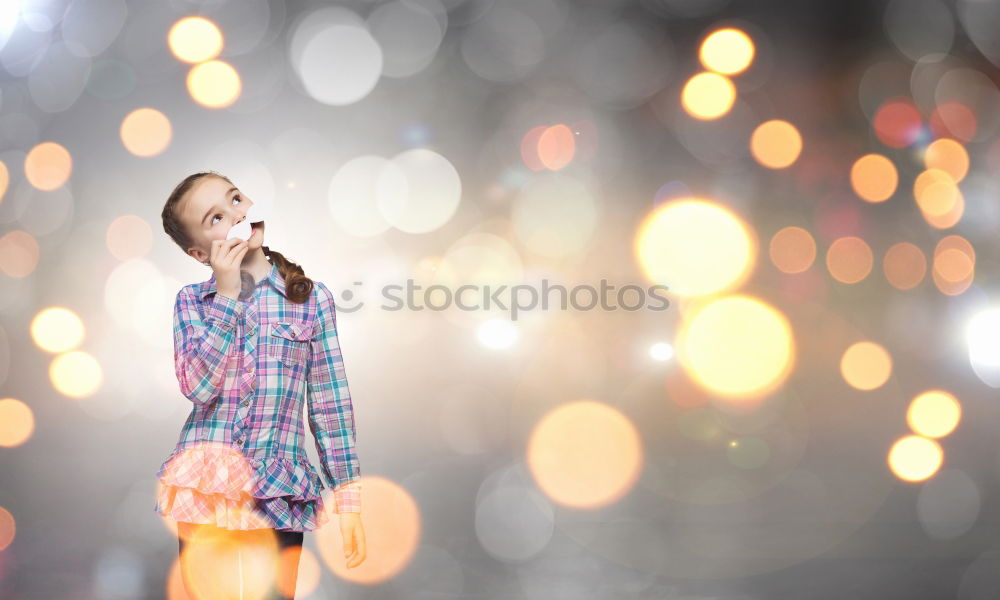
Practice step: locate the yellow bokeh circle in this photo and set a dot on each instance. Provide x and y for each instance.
(695, 247)
(915, 458)
(934, 413)
(738, 347)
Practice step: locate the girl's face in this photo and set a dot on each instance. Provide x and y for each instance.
(212, 207)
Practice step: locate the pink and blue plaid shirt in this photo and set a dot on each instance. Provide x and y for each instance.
(248, 366)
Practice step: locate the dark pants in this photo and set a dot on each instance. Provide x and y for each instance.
(288, 566)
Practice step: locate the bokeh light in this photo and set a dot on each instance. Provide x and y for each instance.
(556, 147)
(514, 522)
(948, 506)
(195, 39)
(146, 132)
(934, 413)
(17, 422)
(695, 247)
(792, 249)
(728, 51)
(584, 454)
(661, 351)
(738, 347)
(708, 96)
(337, 60)
(392, 534)
(776, 144)
(57, 329)
(949, 156)
(866, 365)
(904, 265)
(214, 84)
(874, 178)
(48, 166)
(849, 259)
(982, 336)
(954, 119)
(19, 254)
(897, 123)
(915, 458)
(8, 529)
(954, 265)
(427, 195)
(530, 148)
(497, 333)
(936, 193)
(939, 198)
(223, 563)
(409, 34)
(76, 374)
(919, 29)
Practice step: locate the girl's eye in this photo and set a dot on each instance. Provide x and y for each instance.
(235, 197)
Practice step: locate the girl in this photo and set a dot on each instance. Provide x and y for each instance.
(249, 344)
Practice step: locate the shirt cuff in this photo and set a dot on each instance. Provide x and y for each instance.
(224, 311)
(348, 497)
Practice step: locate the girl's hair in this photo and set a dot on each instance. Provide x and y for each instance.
(298, 287)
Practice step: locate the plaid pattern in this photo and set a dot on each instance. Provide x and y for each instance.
(248, 366)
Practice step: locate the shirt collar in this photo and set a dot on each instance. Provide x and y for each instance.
(273, 277)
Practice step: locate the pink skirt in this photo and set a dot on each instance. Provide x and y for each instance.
(216, 484)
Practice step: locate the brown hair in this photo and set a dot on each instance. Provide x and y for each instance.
(298, 287)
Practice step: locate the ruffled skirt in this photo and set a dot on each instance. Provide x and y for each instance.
(214, 483)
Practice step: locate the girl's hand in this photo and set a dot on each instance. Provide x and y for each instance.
(355, 549)
(227, 255)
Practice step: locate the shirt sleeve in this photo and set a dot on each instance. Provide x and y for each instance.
(331, 414)
(201, 346)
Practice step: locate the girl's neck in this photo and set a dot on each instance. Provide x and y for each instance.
(256, 263)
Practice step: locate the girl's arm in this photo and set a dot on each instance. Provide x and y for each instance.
(201, 347)
(331, 414)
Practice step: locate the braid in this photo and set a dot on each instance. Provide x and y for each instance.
(298, 287)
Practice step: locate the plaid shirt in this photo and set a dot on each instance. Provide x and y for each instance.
(246, 365)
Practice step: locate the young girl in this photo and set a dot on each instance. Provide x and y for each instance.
(250, 345)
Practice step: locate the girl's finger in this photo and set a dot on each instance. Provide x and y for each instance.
(235, 251)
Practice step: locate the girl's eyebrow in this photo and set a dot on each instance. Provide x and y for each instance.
(214, 206)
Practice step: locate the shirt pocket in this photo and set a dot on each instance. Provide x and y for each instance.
(288, 342)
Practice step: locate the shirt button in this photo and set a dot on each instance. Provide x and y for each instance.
(251, 370)
(240, 441)
(246, 403)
